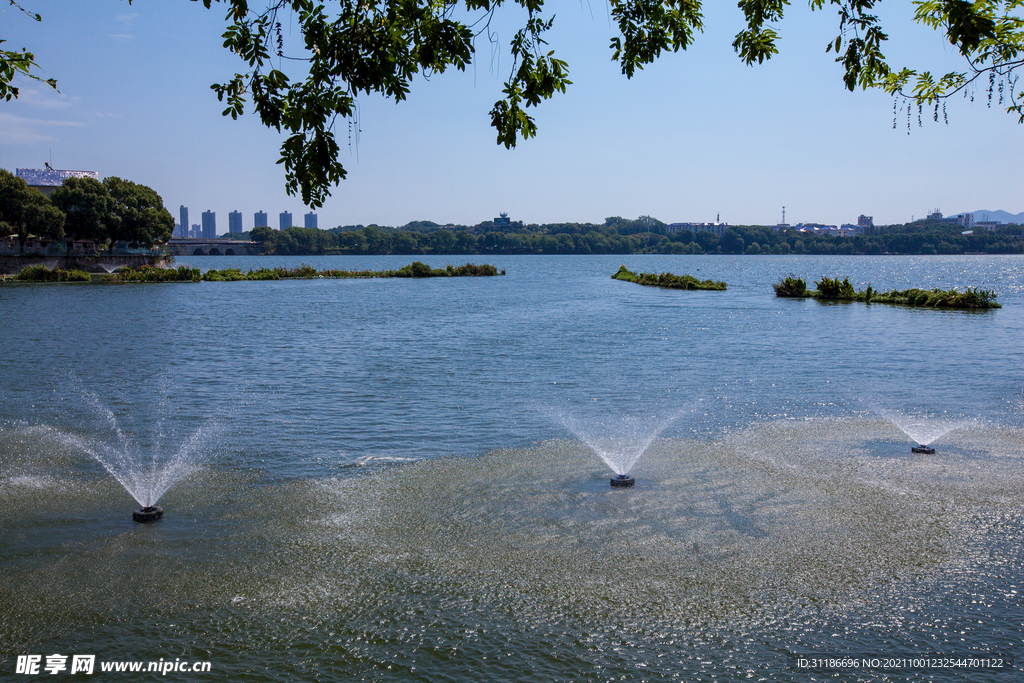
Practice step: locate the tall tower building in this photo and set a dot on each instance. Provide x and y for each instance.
(209, 225)
(286, 220)
(259, 219)
(309, 220)
(235, 221)
(183, 230)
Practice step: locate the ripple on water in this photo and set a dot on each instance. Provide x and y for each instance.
(727, 555)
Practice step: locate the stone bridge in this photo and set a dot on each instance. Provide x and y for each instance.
(192, 246)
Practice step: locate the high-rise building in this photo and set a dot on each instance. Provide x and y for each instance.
(183, 228)
(235, 221)
(286, 220)
(209, 225)
(259, 219)
(309, 220)
(195, 231)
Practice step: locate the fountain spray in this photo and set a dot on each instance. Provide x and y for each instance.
(145, 467)
(923, 430)
(618, 440)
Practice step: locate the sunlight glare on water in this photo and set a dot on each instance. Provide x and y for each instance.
(400, 480)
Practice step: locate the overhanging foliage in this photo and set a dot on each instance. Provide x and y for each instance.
(349, 47)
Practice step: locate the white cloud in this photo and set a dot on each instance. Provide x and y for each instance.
(18, 130)
(44, 97)
(124, 26)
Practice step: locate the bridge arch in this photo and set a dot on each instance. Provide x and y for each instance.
(229, 252)
(214, 251)
(199, 252)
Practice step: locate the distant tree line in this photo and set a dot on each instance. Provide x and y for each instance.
(84, 209)
(922, 237)
(644, 235)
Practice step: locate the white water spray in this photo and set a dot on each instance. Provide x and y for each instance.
(922, 429)
(620, 441)
(145, 466)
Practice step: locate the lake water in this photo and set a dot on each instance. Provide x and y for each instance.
(394, 479)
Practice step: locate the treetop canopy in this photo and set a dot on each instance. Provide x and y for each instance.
(348, 48)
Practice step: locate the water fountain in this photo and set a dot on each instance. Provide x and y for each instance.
(922, 430)
(618, 441)
(146, 463)
(150, 513)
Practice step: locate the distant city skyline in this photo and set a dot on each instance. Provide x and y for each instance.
(46, 179)
(310, 220)
(235, 221)
(695, 134)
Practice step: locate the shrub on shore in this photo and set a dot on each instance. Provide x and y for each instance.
(419, 269)
(415, 269)
(234, 274)
(185, 274)
(41, 273)
(791, 286)
(972, 298)
(473, 270)
(668, 280)
(834, 289)
(157, 274)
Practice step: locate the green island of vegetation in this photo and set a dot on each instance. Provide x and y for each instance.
(834, 289)
(41, 273)
(415, 269)
(667, 280)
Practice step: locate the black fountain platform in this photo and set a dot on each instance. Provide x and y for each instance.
(927, 450)
(622, 481)
(148, 514)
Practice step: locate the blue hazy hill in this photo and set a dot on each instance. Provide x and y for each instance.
(1002, 216)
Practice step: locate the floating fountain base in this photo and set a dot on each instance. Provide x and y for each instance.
(927, 450)
(148, 514)
(622, 481)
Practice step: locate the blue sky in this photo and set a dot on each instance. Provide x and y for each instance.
(696, 135)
